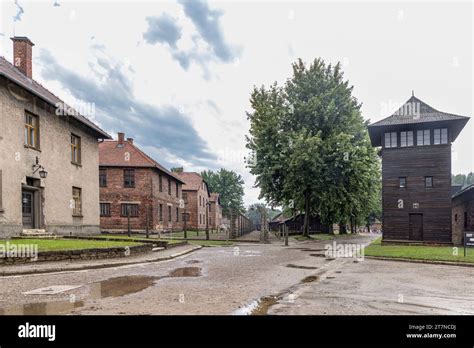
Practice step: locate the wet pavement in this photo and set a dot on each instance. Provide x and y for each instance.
(255, 279)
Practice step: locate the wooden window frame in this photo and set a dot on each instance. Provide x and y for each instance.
(36, 131)
(75, 149)
(133, 213)
(392, 140)
(77, 198)
(432, 182)
(1, 191)
(105, 204)
(400, 179)
(442, 135)
(406, 139)
(102, 177)
(131, 183)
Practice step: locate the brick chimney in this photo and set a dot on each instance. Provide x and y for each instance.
(121, 137)
(130, 141)
(22, 55)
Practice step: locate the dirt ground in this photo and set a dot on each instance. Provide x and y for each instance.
(250, 279)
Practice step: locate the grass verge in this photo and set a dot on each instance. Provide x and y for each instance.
(419, 252)
(68, 244)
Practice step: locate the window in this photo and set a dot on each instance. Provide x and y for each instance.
(200, 216)
(31, 130)
(77, 196)
(428, 181)
(456, 217)
(129, 178)
(406, 138)
(391, 139)
(104, 209)
(440, 136)
(161, 183)
(209, 208)
(75, 149)
(161, 212)
(103, 177)
(423, 137)
(465, 219)
(402, 182)
(177, 190)
(169, 186)
(177, 214)
(1, 209)
(169, 213)
(130, 207)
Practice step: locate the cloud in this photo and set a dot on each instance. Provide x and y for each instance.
(162, 29)
(19, 12)
(163, 128)
(207, 23)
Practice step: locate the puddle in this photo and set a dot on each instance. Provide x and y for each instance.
(186, 272)
(309, 249)
(317, 255)
(112, 287)
(121, 286)
(290, 265)
(191, 262)
(259, 307)
(310, 279)
(329, 277)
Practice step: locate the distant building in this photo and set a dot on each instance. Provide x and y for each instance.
(463, 213)
(416, 171)
(49, 156)
(132, 182)
(196, 196)
(215, 211)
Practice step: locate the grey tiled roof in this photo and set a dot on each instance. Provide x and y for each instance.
(10, 72)
(416, 111)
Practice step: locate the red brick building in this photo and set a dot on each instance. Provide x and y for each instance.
(215, 211)
(132, 181)
(197, 196)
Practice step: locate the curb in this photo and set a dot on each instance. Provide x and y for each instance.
(427, 262)
(99, 266)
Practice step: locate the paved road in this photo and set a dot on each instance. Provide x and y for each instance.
(228, 280)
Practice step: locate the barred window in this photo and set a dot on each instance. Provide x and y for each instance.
(129, 207)
(103, 177)
(104, 209)
(129, 178)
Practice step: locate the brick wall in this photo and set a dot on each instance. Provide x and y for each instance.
(196, 207)
(146, 194)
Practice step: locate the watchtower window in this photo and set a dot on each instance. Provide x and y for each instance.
(391, 139)
(406, 138)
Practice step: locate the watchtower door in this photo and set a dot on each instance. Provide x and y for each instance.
(416, 226)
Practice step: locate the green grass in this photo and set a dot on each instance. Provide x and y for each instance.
(190, 234)
(210, 242)
(419, 252)
(68, 244)
(321, 236)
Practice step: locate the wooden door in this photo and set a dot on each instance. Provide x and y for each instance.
(27, 209)
(416, 226)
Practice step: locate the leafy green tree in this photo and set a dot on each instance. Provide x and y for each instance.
(311, 147)
(230, 187)
(253, 214)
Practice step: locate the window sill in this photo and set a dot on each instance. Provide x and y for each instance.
(76, 164)
(32, 147)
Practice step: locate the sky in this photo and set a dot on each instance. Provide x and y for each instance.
(177, 75)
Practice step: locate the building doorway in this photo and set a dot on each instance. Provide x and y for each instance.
(28, 209)
(416, 226)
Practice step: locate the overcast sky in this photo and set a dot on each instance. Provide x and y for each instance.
(176, 76)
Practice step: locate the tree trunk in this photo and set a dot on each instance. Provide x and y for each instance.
(307, 202)
(342, 228)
